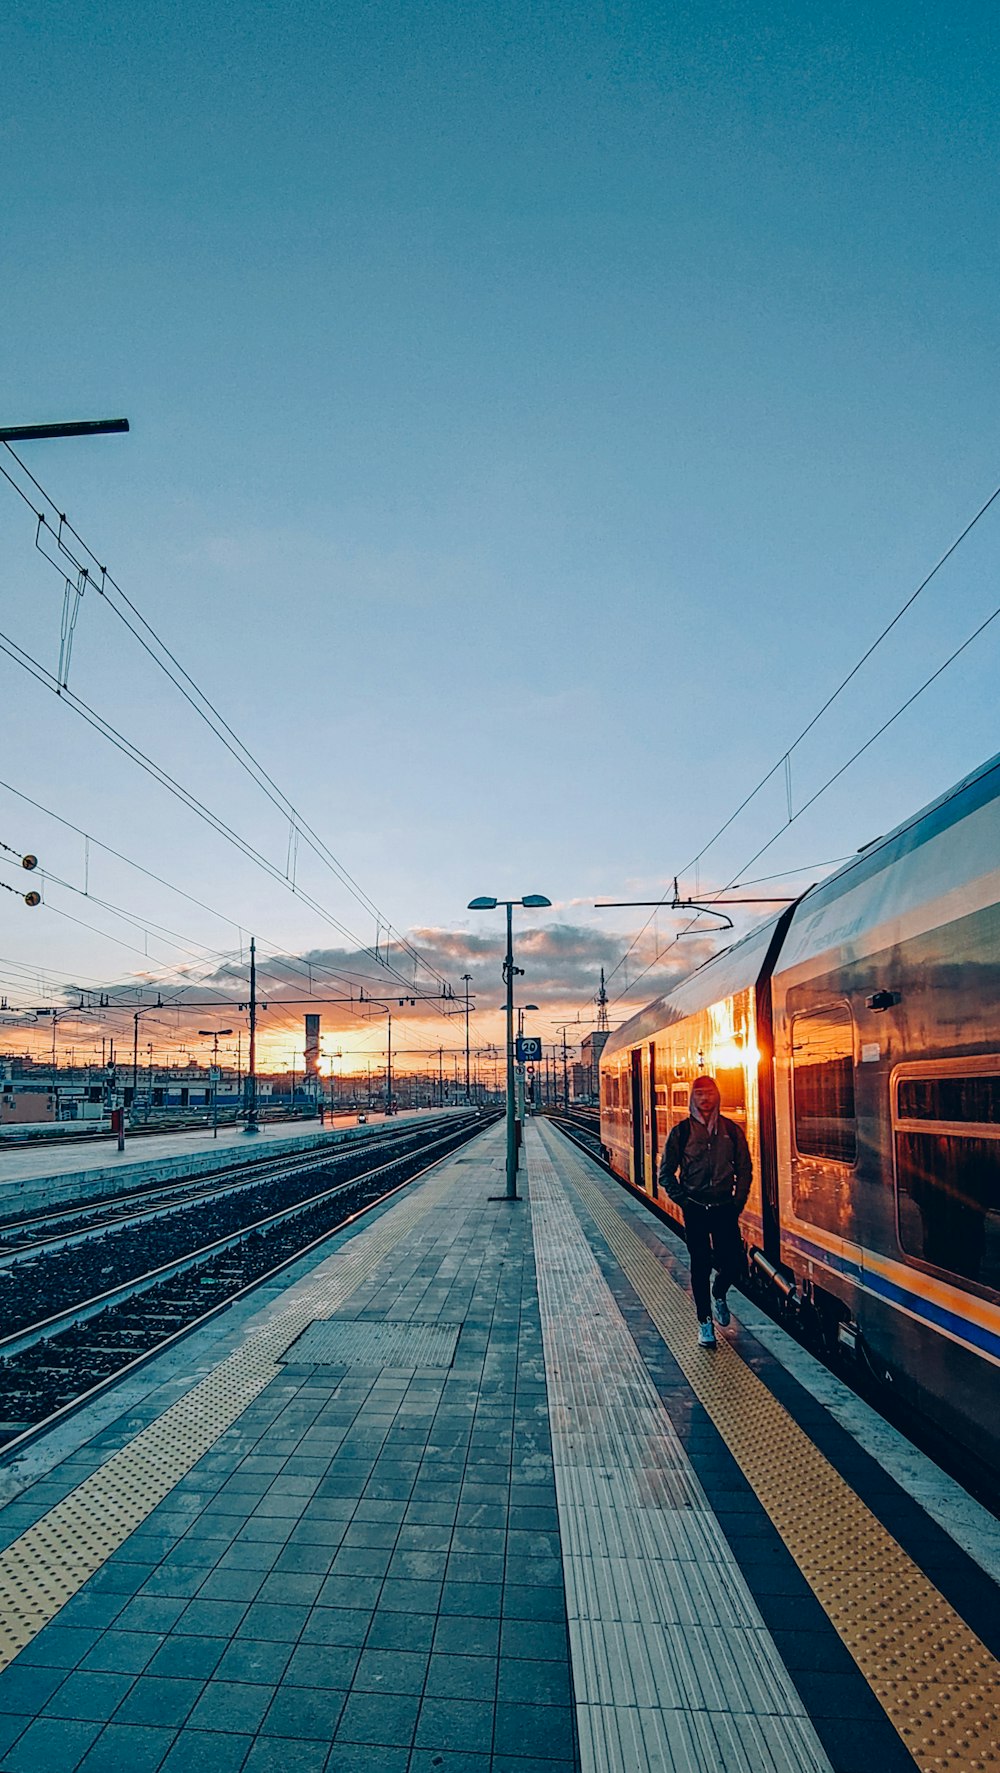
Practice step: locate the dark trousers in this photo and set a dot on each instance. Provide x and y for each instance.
(713, 1241)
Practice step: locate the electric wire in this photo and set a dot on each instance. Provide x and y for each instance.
(834, 777)
(209, 713)
(814, 720)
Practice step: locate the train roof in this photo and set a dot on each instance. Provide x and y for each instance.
(741, 965)
(732, 970)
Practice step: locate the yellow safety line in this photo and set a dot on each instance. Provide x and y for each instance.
(936, 1680)
(50, 1561)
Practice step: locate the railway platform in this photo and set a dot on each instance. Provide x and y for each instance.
(40, 1176)
(458, 1493)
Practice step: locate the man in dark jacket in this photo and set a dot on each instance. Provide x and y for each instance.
(706, 1170)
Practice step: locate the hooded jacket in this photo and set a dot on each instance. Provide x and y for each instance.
(706, 1163)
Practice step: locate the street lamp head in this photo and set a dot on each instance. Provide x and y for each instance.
(482, 905)
(535, 901)
(529, 1006)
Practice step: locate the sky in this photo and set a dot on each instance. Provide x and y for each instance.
(536, 412)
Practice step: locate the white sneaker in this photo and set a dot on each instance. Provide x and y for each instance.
(706, 1334)
(723, 1315)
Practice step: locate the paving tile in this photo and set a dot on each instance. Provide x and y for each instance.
(256, 1660)
(187, 1658)
(545, 1764)
(481, 1599)
(206, 1751)
(51, 1745)
(455, 1724)
(88, 1696)
(350, 1591)
(157, 1613)
(312, 1712)
(388, 1719)
(284, 1754)
(349, 1757)
(336, 1625)
(121, 1746)
(390, 1671)
(230, 1585)
(159, 1700)
(426, 1760)
(231, 1706)
(282, 1624)
(27, 1688)
(95, 1610)
(60, 1646)
(120, 1652)
(540, 1730)
(321, 1665)
(461, 1677)
(546, 1603)
(534, 1640)
(534, 1683)
(380, 1535)
(401, 1631)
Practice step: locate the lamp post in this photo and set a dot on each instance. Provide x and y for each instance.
(530, 902)
(215, 1034)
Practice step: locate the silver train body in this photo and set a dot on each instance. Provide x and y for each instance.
(856, 1037)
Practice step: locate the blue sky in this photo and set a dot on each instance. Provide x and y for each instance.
(536, 411)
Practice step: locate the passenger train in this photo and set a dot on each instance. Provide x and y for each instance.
(856, 1038)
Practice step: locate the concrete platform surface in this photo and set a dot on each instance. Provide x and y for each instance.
(455, 1497)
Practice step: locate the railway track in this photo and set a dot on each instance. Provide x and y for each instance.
(66, 1341)
(24, 1234)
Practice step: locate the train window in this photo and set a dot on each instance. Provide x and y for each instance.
(948, 1175)
(733, 1090)
(950, 1098)
(823, 1084)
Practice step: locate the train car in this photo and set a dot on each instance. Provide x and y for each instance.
(857, 1038)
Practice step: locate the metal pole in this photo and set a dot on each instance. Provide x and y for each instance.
(251, 1126)
(76, 428)
(388, 1070)
(135, 1057)
(511, 1124)
(565, 1076)
(467, 977)
(215, 1088)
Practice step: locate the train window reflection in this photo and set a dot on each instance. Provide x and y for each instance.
(823, 1084)
(949, 1202)
(950, 1098)
(948, 1175)
(733, 1090)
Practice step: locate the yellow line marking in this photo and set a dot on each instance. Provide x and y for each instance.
(50, 1561)
(936, 1680)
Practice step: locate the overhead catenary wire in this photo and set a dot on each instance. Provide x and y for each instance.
(834, 777)
(187, 798)
(814, 720)
(157, 649)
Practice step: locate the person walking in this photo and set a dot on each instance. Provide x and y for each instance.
(706, 1170)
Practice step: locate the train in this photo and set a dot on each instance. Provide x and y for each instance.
(855, 1036)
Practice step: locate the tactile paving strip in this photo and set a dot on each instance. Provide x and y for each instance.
(51, 1560)
(673, 1667)
(934, 1677)
(348, 1342)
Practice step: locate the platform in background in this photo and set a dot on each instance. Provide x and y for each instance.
(42, 1176)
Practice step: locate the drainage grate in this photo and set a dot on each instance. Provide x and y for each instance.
(348, 1342)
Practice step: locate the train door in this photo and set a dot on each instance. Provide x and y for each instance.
(638, 1141)
(652, 1142)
